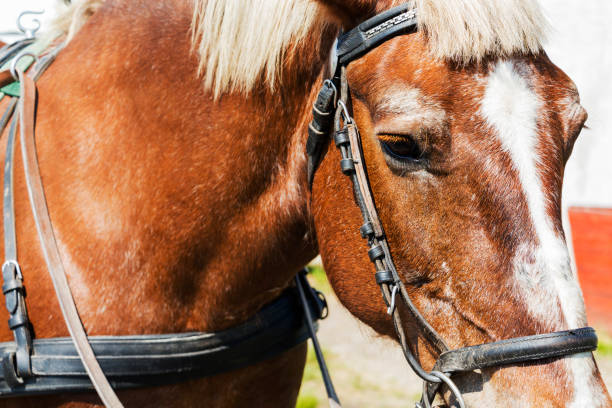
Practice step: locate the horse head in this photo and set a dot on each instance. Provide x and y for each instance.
(466, 126)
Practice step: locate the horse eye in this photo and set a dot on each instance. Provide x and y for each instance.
(401, 147)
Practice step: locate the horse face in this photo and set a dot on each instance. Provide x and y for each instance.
(466, 166)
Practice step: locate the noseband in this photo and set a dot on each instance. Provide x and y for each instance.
(332, 109)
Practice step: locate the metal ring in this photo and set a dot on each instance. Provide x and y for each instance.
(451, 386)
(29, 32)
(325, 311)
(345, 114)
(22, 54)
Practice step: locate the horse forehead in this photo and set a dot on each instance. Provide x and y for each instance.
(510, 103)
(520, 99)
(537, 73)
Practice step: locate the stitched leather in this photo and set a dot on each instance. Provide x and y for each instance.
(319, 127)
(518, 350)
(138, 361)
(373, 32)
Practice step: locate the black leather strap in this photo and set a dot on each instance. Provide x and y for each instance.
(310, 295)
(518, 350)
(320, 126)
(136, 361)
(12, 287)
(373, 32)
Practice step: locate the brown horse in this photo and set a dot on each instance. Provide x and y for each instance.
(172, 141)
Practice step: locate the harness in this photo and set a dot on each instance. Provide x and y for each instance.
(80, 363)
(30, 366)
(332, 111)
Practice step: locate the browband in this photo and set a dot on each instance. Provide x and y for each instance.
(373, 32)
(350, 46)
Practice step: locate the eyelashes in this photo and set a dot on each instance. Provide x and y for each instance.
(403, 152)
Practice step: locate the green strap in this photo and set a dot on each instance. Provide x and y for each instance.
(11, 89)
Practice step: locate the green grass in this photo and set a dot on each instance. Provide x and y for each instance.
(604, 346)
(307, 401)
(310, 381)
(311, 371)
(319, 279)
(358, 383)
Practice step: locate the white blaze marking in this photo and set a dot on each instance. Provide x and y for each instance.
(543, 272)
(410, 107)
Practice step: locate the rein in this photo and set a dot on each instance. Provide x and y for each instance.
(332, 111)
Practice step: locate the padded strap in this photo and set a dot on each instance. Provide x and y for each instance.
(140, 361)
(518, 350)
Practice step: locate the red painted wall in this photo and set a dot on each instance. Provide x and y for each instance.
(592, 238)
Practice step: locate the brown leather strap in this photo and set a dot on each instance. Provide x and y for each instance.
(367, 202)
(6, 78)
(363, 179)
(27, 106)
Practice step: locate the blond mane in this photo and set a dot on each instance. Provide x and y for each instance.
(71, 17)
(239, 42)
(469, 30)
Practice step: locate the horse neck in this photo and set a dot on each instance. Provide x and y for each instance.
(209, 197)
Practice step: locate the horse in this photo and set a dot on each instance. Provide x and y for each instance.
(171, 142)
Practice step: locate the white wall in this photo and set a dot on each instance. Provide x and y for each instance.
(10, 9)
(581, 44)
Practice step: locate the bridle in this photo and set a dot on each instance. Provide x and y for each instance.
(332, 110)
(41, 366)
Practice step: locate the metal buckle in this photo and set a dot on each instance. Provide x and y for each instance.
(325, 309)
(9, 371)
(15, 265)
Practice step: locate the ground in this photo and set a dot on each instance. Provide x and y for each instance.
(370, 371)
